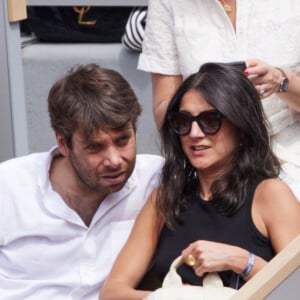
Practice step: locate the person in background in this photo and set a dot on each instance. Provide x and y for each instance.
(182, 35)
(66, 213)
(220, 204)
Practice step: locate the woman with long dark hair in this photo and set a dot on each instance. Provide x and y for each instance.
(220, 204)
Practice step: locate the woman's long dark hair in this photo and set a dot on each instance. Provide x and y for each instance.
(230, 92)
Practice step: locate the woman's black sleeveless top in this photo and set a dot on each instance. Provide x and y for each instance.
(202, 221)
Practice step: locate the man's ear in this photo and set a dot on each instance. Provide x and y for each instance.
(61, 143)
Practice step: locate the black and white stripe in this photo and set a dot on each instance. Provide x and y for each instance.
(133, 36)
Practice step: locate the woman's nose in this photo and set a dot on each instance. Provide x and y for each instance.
(196, 131)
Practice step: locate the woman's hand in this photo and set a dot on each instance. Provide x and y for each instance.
(265, 78)
(214, 257)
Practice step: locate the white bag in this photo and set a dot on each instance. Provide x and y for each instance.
(173, 289)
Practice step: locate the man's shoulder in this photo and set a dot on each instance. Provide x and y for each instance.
(149, 161)
(23, 159)
(147, 167)
(146, 175)
(28, 163)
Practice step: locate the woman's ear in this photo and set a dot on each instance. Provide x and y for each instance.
(61, 143)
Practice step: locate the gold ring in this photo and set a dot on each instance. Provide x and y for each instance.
(191, 260)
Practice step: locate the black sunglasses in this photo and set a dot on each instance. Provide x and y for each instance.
(209, 121)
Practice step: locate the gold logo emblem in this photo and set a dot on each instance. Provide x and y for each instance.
(82, 10)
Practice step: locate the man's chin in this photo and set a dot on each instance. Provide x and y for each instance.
(115, 188)
(115, 185)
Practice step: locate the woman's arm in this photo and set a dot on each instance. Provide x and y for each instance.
(267, 80)
(292, 96)
(275, 213)
(159, 55)
(163, 89)
(134, 259)
(217, 257)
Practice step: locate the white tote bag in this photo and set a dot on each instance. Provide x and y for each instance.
(173, 289)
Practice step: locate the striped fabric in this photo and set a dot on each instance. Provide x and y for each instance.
(132, 38)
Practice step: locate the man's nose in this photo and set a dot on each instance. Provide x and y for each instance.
(112, 158)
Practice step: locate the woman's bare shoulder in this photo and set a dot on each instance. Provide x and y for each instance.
(274, 195)
(274, 188)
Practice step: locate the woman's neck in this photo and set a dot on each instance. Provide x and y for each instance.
(206, 180)
(230, 9)
(205, 186)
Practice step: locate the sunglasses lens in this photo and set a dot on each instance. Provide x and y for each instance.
(181, 123)
(208, 121)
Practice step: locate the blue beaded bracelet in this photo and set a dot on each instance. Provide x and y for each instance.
(249, 265)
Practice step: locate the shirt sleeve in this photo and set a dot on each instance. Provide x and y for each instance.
(159, 54)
